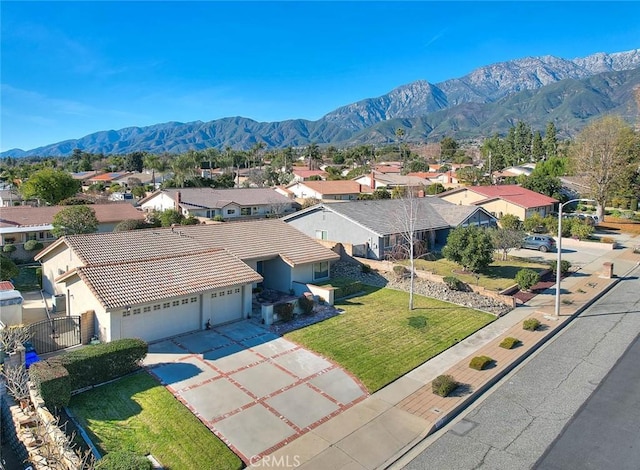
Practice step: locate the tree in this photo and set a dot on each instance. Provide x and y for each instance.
(8, 269)
(537, 147)
(471, 247)
(313, 155)
(399, 136)
(73, 220)
(543, 184)
(600, 154)
(510, 222)
(448, 148)
(506, 239)
(130, 224)
(152, 162)
(550, 142)
(134, 162)
(50, 186)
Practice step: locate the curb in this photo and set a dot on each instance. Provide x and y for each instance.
(499, 376)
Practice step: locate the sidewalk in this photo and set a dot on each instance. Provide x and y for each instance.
(380, 429)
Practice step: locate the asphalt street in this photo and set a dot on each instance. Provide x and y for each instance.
(515, 424)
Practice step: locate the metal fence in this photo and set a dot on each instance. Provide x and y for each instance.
(54, 334)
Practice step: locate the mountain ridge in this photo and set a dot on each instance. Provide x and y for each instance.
(459, 107)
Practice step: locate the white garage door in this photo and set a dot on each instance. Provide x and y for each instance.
(162, 320)
(226, 305)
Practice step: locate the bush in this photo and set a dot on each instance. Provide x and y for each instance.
(453, 283)
(39, 276)
(480, 362)
(607, 240)
(130, 224)
(284, 311)
(52, 381)
(564, 266)
(33, 245)
(100, 363)
(348, 289)
(443, 385)
(365, 268)
(218, 218)
(509, 342)
(581, 230)
(305, 304)
(123, 460)
(527, 278)
(400, 271)
(9, 248)
(530, 324)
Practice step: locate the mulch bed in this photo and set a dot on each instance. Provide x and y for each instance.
(546, 282)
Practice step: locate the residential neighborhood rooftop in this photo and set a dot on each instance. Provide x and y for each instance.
(509, 192)
(212, 198)
(27, 216)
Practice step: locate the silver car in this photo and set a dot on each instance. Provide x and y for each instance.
(543, 243)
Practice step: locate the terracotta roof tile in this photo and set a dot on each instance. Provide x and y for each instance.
(337, 187)
(23, 216)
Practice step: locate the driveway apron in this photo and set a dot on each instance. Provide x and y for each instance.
(255, 390)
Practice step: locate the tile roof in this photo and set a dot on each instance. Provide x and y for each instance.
(256, 239)
(400, 180)
(6, 285)
(309, 173)
(336, 187)
(165, 277)
(25, 216)
(210, 198)
(384, 216)
(509, 192)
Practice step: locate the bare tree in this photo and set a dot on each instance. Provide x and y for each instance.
(14, 336)
(17, 381)
(506, 239)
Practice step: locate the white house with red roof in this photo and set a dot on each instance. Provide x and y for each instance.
(503, 199)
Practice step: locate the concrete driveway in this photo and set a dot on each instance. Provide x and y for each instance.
(253, 389)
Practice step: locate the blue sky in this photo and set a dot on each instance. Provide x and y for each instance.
(72, 68)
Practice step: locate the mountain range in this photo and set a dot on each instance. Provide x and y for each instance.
(487, 101)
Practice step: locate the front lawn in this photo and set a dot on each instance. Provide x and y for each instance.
(378, 339)
(138, 414)
(498, 276)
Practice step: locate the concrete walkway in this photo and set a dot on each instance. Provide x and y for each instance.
(380, 429)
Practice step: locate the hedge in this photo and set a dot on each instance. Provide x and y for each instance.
(480, 362)
(348, 289)
(100, 363)
(509, 342)
(284, 311)
(123, 460)
(52, 381)
(32, 245)
(443, 385)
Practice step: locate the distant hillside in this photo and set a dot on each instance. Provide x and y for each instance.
(489, 100)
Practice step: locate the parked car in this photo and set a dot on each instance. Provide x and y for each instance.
(543, 243)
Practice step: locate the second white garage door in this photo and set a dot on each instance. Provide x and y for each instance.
(226, 305)
(162, 320)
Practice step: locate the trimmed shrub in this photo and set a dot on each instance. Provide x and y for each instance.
(218, 218)
(348, 289)
(32, 245)
(400, 271)
(531, 324)
(305, 304)
(509, 342)
(581, 230)
(480, 362)
(607, 240)
(52, 381)
(443, 385)
(102, 362)
(365, 268)
(123, 460)
(284, 311)
(453, 283)
(564, 266)
(527, 278)
(9, 248)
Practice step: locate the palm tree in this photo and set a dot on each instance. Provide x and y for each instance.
(399, 136)
(152, 162)
(313, 154)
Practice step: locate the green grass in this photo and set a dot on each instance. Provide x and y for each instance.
(137, 414)
(27, 280)
(498, 276)
(378, 338)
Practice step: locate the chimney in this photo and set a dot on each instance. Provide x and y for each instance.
(178, 200)
(373, 180)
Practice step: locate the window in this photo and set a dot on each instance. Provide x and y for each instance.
(136, 311)
(245, 211)
(321, 234)
(176, 303)
(237, 291)
(194, 299)
(214, 295)
(147, 309)
(230, 291)
(321, 270)
(231, 211)
(156, 307)
(126, 313)
(221, 293)
(166, 305)
(185, 301)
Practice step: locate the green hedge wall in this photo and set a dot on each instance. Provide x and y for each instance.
(52, 381)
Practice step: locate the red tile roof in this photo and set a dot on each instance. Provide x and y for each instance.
(6, 285)
(309, 173)
(26, 216)
(514, 194)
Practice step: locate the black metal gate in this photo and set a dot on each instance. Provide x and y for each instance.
(58, 333)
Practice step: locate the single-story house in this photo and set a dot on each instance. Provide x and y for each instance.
(502, 199)
(10, 197)
(373, 229)
(226, 203)
(22, 223)
(338, 190)
(305, 175)
(378, 180)
(161, 282)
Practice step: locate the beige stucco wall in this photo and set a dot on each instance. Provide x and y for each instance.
(59, 261)
(499, 207)
(159, 202)
(465, 197)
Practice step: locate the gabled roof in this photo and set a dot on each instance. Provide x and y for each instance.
(309, 173)
(385, 216)
(135, 282)
(257, 239)
(508, 192)
(396, 179)
(107, 176)
(27, 216)
(210, 198)
(335, 187)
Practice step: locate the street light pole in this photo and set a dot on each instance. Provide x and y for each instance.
(559, 249)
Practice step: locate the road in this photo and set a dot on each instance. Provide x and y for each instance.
(515, 424)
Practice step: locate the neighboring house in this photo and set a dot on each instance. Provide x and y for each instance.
(305, 175)
(338, 190)
(22, 223)
(447, 178)
(10, 197)
(106, 178)
(513, 172)
(372, 229)
(502, 199)
(10, 305)
(226, 203)
(157, 283)
(377, 180)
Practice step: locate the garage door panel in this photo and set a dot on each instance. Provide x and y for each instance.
(226, 306)
(162, 323)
